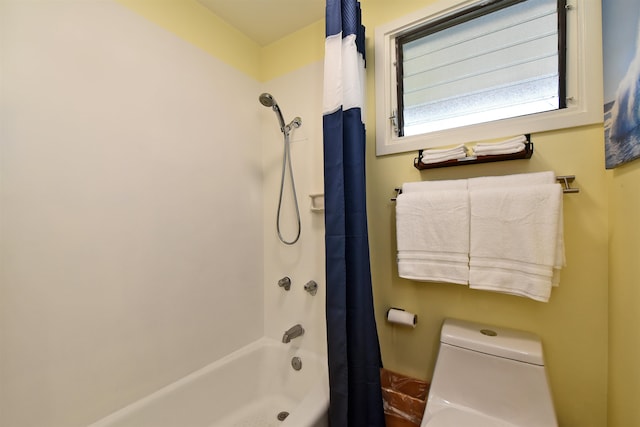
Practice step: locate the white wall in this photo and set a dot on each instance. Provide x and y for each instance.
(299, 93)
(131, 210)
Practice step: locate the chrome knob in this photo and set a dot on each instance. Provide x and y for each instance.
(285, 283)
(311, 287)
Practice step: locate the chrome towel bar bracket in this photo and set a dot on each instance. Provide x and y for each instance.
(566, 181)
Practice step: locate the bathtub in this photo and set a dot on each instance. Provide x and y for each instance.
(247, 388)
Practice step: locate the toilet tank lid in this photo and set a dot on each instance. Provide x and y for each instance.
(498, 341)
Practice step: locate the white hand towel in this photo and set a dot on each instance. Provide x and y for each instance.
(458, 148)
(427, 160)
(510, 146)
(514, 238)
(502, 149)
(444, 154)
(518, 139)
(433, 235)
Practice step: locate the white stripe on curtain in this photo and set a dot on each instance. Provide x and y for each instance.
(344, 84)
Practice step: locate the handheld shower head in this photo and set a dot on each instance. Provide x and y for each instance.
(268, 100)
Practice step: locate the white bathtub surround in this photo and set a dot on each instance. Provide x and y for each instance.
(139, 188)
(246, 388)
(303, 261)
(131, 210)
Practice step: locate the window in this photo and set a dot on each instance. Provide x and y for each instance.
(473, 70)
(498, 60)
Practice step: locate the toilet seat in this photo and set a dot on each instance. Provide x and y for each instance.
(451, 417)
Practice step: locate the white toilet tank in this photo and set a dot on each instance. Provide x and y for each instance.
(491, 375)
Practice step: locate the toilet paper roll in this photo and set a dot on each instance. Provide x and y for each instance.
(401, 317)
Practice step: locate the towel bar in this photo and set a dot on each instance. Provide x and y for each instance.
(565, 181)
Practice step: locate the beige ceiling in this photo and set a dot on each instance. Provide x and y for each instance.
(266, 21)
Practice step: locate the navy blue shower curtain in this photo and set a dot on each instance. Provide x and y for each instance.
(352, 339)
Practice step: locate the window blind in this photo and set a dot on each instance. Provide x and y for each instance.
(497, 65)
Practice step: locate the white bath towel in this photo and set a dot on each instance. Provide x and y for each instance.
(516, 180)
(452, 184)
(514, 238)
(561, 260)
(432, 229)
(528, 179)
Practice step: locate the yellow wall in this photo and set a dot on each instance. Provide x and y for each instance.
(293, 51)
(194, 23)
(117, 230)
(584, 333)
(573, 325)
(624, 295)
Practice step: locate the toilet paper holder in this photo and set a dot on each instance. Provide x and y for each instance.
(400, 316)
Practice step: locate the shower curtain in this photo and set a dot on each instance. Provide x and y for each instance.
(352, 340)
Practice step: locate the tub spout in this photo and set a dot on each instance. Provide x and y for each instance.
(291, 333)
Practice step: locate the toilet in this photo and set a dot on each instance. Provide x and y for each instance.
(488, 376)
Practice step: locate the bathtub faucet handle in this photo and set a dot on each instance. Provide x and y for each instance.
(311, 287)
(285, 283)
(293, 332)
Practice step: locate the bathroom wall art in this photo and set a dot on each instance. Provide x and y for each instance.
(621, 61)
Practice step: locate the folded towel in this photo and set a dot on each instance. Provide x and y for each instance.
(561, 260)
(517, 180)
(437, 155)
(510, 146)
(427, 160)
(492, 151)
(518, 139)
(456, 149)
(512, 232)
(523, 179)
(433, 234)
(514, 237)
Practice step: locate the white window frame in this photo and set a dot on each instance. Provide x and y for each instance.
(584, 82)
